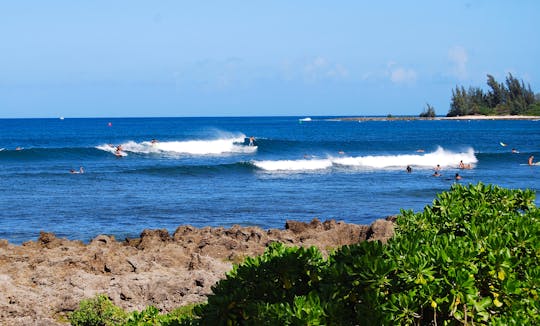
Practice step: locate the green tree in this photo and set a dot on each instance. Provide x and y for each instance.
(511, 97)
(497, 94)
(429, 112)
(458, 102)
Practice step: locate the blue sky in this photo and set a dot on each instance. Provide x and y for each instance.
(106, 58)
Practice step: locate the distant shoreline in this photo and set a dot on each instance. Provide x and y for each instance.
(465, 117)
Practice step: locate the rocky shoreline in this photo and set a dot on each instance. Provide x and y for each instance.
(41, 281)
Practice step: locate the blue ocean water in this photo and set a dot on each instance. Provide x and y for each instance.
(203, 172)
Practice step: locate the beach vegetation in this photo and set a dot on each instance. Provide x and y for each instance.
(99, 310)
(512, 97)
(470, 257)
(429, 112)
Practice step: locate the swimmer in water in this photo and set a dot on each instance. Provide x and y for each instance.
(463, 165)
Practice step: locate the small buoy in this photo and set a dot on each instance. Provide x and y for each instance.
(109, 124)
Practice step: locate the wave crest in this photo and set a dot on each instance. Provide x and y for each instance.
(228, 145)
(442, 157)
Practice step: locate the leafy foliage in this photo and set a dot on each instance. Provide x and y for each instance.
(100, 311)
(511, 97)
(97, 311)
(268, 285)
(471, 257)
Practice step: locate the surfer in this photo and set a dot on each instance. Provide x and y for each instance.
(436, 174)
(118, 151)
(81, 170)
(438, 167)
(251, 141)
(515, 151)
(154, 141)
(457, 177)
(531, 160)
(409, 169)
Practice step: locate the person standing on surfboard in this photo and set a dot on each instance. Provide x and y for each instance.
(531, 159)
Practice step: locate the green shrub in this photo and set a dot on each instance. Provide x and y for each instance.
(98, 311)
(279, 276)
(150, 316)
(472, 257)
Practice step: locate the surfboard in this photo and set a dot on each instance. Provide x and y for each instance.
(503, 144)
(120, 154)
(535, 163)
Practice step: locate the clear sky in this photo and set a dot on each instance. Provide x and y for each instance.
(123, 58)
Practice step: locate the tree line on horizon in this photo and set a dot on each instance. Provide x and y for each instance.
(512, 97)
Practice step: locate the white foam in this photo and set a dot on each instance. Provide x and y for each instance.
(293, 165)
(442, 157)
(227, 145)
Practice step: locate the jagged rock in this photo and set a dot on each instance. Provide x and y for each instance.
(44, 279)
(381, 230)
(295, 226)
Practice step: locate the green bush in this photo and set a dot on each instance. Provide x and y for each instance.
(472, 257)
(263, 285)
(98, 311)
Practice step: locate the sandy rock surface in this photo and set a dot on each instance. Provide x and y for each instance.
(43, 280)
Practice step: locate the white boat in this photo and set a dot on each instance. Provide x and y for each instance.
(305, 119)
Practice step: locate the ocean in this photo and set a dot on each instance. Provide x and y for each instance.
(203, 172)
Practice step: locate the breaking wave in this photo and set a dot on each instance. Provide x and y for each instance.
(220, 146)
(442, 157)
